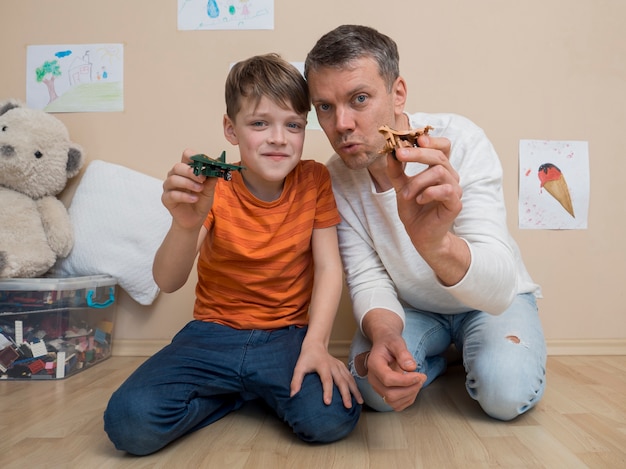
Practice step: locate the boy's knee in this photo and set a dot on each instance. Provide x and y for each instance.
(328, 428)
(315, 422)
(126, 427)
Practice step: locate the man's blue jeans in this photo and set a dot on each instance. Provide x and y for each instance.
(210, 370)
(504, 356)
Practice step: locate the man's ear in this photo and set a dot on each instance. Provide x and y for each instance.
(399, 91)
(229, 130)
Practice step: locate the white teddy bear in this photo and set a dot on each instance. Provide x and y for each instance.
(36, 160)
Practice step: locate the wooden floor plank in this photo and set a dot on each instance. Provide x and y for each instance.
(580, 423)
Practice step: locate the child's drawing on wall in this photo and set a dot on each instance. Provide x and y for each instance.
(75, 78)
(553, 184)
(233, 14)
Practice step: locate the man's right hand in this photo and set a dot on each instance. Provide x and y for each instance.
(390, 365)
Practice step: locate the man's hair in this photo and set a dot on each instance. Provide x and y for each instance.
(349, 42)
(266, 75)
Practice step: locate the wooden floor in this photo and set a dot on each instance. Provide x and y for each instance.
(581, 422)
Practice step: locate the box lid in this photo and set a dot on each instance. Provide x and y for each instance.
(57, 283)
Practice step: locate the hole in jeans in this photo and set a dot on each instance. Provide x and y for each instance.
(513, 338)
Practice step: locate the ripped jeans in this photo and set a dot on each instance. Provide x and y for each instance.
(504, 356)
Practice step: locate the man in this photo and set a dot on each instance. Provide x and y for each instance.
(428, 258)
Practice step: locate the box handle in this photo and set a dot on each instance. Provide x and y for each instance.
(104, 304)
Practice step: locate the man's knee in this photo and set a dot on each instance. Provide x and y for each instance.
(510, 380)
(507, 396)
(507, 405)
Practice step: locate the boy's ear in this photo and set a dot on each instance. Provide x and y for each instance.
(229, 130)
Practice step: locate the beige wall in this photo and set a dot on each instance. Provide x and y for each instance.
(534, 69)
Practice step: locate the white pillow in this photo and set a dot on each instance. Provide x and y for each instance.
(119, 223)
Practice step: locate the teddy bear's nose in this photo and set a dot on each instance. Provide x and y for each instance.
(7, 150)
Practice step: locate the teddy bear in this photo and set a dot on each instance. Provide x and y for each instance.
(37, 159)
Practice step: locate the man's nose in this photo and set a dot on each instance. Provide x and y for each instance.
(344, 120)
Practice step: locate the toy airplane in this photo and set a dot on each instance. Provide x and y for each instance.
(400, 138)
(206, 166)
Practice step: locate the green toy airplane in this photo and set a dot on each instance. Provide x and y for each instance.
(206, 166)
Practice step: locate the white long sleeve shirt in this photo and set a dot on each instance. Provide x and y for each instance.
(383, 268)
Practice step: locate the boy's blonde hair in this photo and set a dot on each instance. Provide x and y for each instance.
(266, 75)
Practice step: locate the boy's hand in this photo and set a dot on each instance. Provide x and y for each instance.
(187, 197)
(315, 358)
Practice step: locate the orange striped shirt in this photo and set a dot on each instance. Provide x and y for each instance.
(255, 269)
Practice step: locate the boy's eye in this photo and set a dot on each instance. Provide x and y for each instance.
(258, 124)
(295, 125)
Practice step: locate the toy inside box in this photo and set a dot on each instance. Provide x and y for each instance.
(51, 328)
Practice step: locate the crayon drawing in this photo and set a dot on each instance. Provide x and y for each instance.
(230, 14)
(553, 184)
(75, 78)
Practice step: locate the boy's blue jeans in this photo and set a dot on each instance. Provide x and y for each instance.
(504, 356)
(210, 370)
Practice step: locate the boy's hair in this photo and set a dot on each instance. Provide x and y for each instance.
(266, 75)
(350, 42)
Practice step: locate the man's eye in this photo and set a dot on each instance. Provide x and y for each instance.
(361, 98)
(323, 107)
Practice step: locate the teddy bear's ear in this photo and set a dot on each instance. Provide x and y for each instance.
(8, 105)
(74, 160)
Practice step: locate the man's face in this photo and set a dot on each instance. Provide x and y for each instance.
(351, 104)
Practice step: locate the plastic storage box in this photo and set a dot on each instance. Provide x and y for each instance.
(52, 328)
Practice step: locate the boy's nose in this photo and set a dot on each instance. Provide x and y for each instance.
(277, 136)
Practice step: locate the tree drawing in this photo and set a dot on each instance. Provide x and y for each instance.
(46, 74)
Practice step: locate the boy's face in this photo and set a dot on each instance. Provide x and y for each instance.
(351, 104)
(270, 139)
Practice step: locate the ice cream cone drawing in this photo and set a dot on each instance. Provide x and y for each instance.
(553, 181)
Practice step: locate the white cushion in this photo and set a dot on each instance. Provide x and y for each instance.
(119, 223)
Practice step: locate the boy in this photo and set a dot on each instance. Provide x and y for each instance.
(269, 282)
